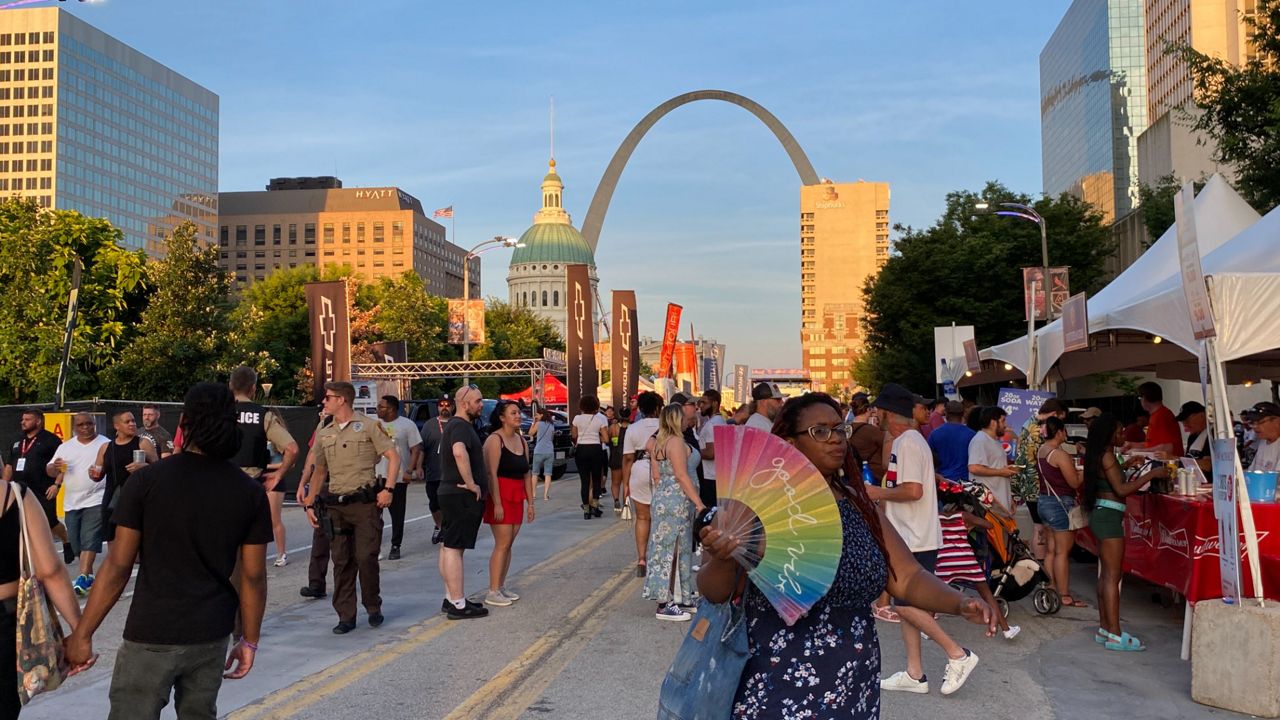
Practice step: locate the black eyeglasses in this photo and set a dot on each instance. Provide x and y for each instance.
(822, 433)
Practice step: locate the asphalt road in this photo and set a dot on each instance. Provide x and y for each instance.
(582, 645)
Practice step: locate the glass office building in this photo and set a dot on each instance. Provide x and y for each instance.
(1093, 103)
(87, 123)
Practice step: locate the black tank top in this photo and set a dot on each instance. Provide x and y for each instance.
(512, 465)
(10, 528)
(251, 418)
(117, 458)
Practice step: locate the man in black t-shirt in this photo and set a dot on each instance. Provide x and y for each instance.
(192, 518)
(462, 481)
(432, 434)
(25, 463)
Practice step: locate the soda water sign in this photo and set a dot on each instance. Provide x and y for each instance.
(1224, 506)
(1021, 405)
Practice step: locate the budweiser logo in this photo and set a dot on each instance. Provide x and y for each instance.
(1175, 540)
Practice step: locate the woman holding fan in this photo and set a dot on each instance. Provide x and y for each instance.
(669, 576)
(827, 664)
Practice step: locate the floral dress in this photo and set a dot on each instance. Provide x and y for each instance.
(827, 665)
(670, 541)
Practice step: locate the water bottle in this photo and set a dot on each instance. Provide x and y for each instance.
(867, 477)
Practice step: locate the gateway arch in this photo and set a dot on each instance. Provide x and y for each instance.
(604, 191)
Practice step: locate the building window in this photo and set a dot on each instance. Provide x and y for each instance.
(242, 234)
(555, 299)
(397, 231)
(524, 300)
(377, 232)
(359, 232)
(544, 298)
(309, 233)
(275, 234)
(293, 233)
(533, 299)
(259, 234)
(222, 237)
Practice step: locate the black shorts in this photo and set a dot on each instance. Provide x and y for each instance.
(1034, 509)
(433, 496)
(928, 560)
(461, 514)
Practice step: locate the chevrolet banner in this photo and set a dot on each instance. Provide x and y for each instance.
(671, 330)
(625, 366)
(581, 360)
(330, 333)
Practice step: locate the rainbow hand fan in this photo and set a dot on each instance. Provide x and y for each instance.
(777, 502)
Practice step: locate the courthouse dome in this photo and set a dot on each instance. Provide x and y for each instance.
(552, 238)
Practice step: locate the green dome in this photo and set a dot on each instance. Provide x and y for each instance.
(553, 242)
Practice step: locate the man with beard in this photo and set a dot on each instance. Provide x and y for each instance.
(155, 432)
(432, 433)
(768, 401)
(462, 480)
(30, 454)
(709, 406)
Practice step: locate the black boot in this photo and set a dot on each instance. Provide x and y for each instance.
(595, 509)
(586, 512)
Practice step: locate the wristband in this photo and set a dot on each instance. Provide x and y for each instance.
(249, 645)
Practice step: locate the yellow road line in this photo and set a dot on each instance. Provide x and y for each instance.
(510, 692)
(290, 700)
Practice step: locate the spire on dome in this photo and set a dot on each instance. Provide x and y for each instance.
(552, 199)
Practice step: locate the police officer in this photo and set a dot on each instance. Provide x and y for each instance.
(258, 426)
(347, 452)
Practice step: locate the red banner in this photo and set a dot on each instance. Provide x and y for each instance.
(1173, 541)
(670, 331)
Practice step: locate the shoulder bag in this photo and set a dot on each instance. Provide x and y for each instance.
(704, 676)
(41, 663)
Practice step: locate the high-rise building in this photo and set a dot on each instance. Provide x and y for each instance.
(1093, 103)
(87, 123)
(536, 278)
(844, 239)
(379, 232)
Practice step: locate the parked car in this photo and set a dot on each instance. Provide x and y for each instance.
(421, 411)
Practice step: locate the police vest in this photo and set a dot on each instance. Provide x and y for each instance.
(251, 418)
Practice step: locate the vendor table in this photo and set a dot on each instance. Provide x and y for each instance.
(1172, 540)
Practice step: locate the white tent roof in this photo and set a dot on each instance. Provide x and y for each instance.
(1220, 214)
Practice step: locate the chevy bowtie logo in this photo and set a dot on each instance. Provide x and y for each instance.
(328, 323)
(624, 328)
(579, 309)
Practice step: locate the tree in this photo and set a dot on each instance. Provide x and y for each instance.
(966, 268)
(513, 332)
(271, 319)
(37, 251)
(1157, 205)
(1240, 107)
(184, 334)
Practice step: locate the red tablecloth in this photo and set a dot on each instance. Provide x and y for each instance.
(1172, 541)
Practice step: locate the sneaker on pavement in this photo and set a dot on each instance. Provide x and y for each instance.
(497, 599)
(901, 681)
(468, 612)
(68, 556)
(435, 536)
(313, 593)
(395, 553)
(617, 507)
(1012, 632)
(88, 583)
(958, 671)
(80, 585)
(672, 613)
(282, 560)
(508, 594)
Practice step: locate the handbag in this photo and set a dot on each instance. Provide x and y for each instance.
(42, 662)
(626, 510)
(704, 676)
(1077, 518)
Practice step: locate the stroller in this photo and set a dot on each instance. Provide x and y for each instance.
(1015, 572)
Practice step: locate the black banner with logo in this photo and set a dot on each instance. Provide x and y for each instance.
(580, 343)
(625, 363)
(330, 333)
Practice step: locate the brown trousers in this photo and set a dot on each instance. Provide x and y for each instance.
(357, 537)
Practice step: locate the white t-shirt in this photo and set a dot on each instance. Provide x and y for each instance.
(79, 490)
(911, 461)
(1267, 457)
(637, 437)
(404, 433)
(760, 422)
(707, 436)
(986, 450)
(589, 427)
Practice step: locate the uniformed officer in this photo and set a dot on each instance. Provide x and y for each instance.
(258, 426)
(347, 452)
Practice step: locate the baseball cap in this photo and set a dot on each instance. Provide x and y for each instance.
(954, 407)
(1260, 411)
(1092, 412)
(1192, 407)
(445, 398)
(681, 399)
(766, 391)
(896, 399)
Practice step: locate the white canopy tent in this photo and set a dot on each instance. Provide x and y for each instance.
(1126, 311)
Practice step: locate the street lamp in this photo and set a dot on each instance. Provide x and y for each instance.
(492, 244)
(1026, 212)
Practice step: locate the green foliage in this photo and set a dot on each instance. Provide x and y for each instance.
(513, 332)
(37, 251)
(966, 268)
(1241, 107)
(270, 323)
(1157, 205)
(185, 331)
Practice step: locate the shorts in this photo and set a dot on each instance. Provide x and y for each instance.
(1033, 507)
(513, 497)
(542, 465)
(433, 496)
(461, 514)
(1106, 523)
(1054, 512)
(615, 457)
(640, 487)
(84, 529)
(928, 560)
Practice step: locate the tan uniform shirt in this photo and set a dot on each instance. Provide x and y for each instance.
(277, 434)
(350, 452)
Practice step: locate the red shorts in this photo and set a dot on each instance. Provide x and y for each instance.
(513, 498)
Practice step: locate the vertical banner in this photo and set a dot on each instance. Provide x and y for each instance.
(624, 373)
(582, 377)
(709, 373)
(741, 391)
(1189, 260)
(1224, 504)
(330, 333)
(686, 362)
(469, 315)
(1059, 291)
(1075, 323)
(717, 360)
(971, 361)
(669, 333)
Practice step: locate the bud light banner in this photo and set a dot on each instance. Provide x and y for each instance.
(330, 333)
(624, 372)
(581, 360)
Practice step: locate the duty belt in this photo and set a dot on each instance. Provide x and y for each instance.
(366, 494)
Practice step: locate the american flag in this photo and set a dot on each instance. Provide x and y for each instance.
(443, 212)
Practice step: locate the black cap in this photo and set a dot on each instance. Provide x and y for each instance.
(681, 399)
(1261, 410)
(445, 398)
(954, 408)
(1189, 409)
(766, 391)
(896, 399)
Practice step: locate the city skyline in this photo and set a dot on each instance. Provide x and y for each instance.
(452, 107)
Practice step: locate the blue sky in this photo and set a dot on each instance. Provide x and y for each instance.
(449, 102)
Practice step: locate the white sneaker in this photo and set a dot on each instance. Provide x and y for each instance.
(282, 560)
(496, 599)
(673, 613)
(1012, 632)
(508, 594)
(958, 671)
(903, 682)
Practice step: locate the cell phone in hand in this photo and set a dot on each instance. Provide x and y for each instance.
(704, 519)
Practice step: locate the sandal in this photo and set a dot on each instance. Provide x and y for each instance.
(885, 613)
(1124, 642)
(1069, 601)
